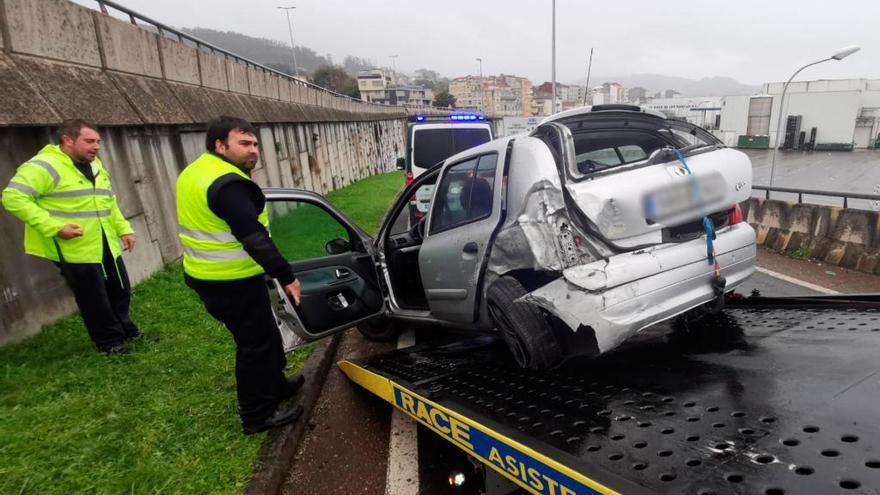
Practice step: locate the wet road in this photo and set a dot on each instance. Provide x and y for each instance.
(850, 171)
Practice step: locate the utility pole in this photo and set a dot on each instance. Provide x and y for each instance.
(290, 31)
(482, 95)
(587, 86)
(394, 66)
(553, 70)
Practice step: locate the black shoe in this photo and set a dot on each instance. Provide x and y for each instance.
(120, 348)
(142, 337)
(284, 414)
(292, 385)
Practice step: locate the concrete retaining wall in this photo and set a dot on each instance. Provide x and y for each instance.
(144, 162)
(44, 41)
(838, 236)
(151, 94)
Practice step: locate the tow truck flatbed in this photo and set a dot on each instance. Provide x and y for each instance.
(772, 396)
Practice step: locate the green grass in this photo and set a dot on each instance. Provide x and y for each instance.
(161, 420)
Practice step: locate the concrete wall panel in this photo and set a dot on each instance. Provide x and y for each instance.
(272, 86)
(206, 104)
(257, 82)
(297, 92)
(153, 99)
(284, 89)
(128, 48)
(269, 156)
(152, 154)
(117, 159)
(247, 108)
(213, 70)
(236, 74)
(79, 92)
(28, 107)
(145, 259)
(55, 29)
(180, 62)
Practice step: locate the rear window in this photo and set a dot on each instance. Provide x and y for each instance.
(596, 151)
(431, 146)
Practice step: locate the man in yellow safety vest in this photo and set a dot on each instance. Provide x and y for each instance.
(67, 203)
(227, 251)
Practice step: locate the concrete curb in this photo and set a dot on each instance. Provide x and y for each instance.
(279, 448)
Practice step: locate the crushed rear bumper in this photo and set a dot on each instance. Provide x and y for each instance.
(618, 297)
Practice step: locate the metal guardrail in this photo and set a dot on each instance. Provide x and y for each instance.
(816, 192)
(164, 30)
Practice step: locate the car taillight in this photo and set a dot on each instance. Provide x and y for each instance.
(409, 177)
(735, 215)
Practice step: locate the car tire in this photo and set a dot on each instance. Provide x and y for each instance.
(523, 326)
(381, 329)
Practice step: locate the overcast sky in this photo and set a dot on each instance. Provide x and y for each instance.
(749, 40)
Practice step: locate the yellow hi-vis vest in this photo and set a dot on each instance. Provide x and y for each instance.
(48, 192)
(210, 251)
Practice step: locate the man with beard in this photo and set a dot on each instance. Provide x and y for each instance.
(67, 203)
(227, 251)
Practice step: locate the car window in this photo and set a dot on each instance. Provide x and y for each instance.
(605, 156)
(419, 205)
(431, 146)
(302, 230)
(632, 153)
(599, 150)
(465, 193)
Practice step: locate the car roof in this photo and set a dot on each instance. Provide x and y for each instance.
(450, 125)
(595, 109)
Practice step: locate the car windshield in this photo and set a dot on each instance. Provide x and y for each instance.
(431, 146)
(602, 143)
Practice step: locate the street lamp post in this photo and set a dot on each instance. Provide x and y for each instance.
(553, 69)
(290, 31)
(393, 65)
(480, 60)
(838, 55)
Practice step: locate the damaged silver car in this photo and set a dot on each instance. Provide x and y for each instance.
(567, 241)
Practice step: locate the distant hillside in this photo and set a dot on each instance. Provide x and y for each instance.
(707, 86)
(273, 53)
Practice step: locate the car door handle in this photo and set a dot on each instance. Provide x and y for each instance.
(342, 273)
(470, 247)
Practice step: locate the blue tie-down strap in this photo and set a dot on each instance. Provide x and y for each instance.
(707, 223)
(710, 237)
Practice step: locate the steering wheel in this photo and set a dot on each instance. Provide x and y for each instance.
(417, 231)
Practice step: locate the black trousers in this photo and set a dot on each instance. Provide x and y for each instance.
(244, 307)
(103, 294)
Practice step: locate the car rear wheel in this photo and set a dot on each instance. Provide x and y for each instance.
(523, 326)
(380, 329)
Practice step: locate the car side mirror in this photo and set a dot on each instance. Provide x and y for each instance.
(337, 246)
(401, 163)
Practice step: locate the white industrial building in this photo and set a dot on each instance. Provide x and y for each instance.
(845, 114)
(702, 111)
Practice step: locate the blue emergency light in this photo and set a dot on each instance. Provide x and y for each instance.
(466, 117)
(458, 117)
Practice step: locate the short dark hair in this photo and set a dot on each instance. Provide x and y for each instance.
(220, 128)
(71, 128)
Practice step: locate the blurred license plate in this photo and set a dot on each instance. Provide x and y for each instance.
(679, 197)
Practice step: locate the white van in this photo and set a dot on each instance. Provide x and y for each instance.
(430, 140)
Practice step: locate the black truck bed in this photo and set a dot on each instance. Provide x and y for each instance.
(774, 396)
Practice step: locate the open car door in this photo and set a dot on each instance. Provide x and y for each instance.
(333, 260)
